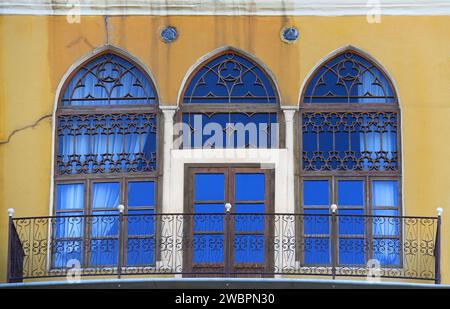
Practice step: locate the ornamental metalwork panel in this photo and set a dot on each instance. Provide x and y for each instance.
(106, 143)
(296, 244)
(349, 78)
(230, 78)
(350, 141)
(108, 80)
(230, 130)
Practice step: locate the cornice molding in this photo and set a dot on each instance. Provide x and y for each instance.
(225, 7)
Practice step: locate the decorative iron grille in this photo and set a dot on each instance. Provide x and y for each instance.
(230, 78)
(350, 141)
(106, 143)
(108, 80)
(349, 78)
(406, 247)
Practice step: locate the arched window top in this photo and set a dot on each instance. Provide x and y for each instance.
(230, 78)
(108, 79)
(349, 77)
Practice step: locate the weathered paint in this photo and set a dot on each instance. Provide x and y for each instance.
(36, 51)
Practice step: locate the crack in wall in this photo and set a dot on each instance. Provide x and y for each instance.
(30, 126)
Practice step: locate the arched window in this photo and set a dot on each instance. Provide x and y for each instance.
(106, 155)
(230, 101)
(350, 146)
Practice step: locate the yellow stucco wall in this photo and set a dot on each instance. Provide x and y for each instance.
(35, 52)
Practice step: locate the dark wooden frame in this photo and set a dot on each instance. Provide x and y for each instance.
(336, 175)
(229, 170)
(122, 177)
(250, 108)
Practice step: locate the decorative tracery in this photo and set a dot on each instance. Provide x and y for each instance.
(108, 80)
(349, 78)
(230, 78)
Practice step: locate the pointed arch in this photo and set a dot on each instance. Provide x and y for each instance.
(228, 75)
(107, 76)
(349, 75)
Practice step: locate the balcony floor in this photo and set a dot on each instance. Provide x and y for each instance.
(221, 283)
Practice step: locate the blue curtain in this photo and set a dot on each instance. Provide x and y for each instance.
(108, 79)
(378, 144)
(104, 243)
(68, 227)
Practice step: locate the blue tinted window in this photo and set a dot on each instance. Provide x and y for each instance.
(385, 193)
(249, 187)
(351, 251)
(387, 251)
(314, 225)
(66, 250)
(349, 78)
(386, 226)
(104, 252)
(349, 141)
(140, 222)
(110, 143)
(140, 251)
(141, 193)
(105, 195)
(230, 130)
(350, 224)
(209, 187)
(108, 80)
(208, 248)
(317, 250)
(351, 192)
(230, 78)
(212, 217)
(315, 192)
(70, 196)
(249, 248)
(105, 223)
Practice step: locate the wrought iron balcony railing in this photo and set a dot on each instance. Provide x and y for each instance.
(225, 244)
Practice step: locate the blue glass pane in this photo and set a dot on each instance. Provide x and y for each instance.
(70, 196)
(105, 195)
(140, 251)
(212, 220)
(349, 78)
(315, 192)
(104, 252)
(68, 225)
(351, 251)
(249, 248)
(317, 250)
(349, 141)
(230, 130)
(249, 187)
(385, 193)
(316, 225)
(108, 80)
(209, 187)
(208, 248)
(387, 251)
(104, 223)
(385, 226)
(141, 193)
(230, 78)
(66, 250)
(349, 225)
(110, 143)
(140, 222)
(351, 192)
(249, 222)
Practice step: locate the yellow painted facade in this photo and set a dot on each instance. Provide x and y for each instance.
(36, 51)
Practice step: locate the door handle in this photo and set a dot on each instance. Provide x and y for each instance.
(227, 207)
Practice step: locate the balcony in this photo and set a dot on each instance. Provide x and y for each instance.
(224, 245)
